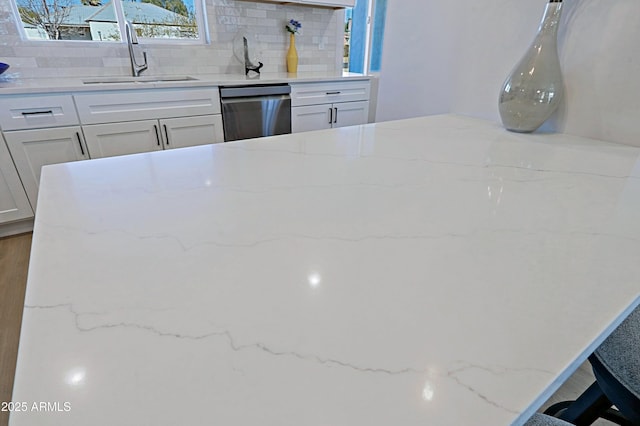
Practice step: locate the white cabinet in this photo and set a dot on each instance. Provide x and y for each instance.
(350, 113)
(145, 104)
(37, 111)
(108, 140)
(40, 129)
(317, 106)
(134, 121)
(327, 116)
(14, 204)
(32, 149)
(192, 131)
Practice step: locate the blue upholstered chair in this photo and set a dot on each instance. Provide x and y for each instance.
(616, 366)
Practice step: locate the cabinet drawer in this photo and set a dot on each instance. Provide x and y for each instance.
(34, 112)
(326, 93)
(133, 105)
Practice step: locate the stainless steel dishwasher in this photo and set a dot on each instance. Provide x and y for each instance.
(255, 111)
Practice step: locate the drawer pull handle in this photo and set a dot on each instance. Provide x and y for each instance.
(333, 93)
(80, 143)
(48, 112)
(335, 115)
(166, 133)
(157, 135)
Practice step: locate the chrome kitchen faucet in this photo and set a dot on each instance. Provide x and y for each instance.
(132, 39)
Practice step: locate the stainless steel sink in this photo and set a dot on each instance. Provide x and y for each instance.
(142, 80)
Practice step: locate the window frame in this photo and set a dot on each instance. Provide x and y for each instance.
(368, 38)
(201, 20)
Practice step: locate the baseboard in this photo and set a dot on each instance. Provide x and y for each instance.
(18, 227)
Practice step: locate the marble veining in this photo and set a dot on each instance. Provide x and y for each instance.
(437, 270)
(227, 335)
(452, 374)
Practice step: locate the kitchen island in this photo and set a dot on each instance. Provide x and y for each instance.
(432, 271)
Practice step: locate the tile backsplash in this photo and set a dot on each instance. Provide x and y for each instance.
(319, 45)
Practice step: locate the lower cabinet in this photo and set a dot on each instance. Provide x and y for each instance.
(327, 116)
(14, 204)
(112, 139)
(329, 104)
(32, 149)
(42, 129)
(108, 140)
(191, 131)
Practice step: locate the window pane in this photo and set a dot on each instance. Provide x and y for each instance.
(97, 19)
(67, 20)
(173, 19)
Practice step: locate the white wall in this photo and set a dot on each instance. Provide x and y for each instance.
(598, 43)
(601, 57)
(416, 59)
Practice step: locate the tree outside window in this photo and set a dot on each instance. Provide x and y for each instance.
(98, 20)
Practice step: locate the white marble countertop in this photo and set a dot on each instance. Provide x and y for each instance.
(433, 271)
(11, 85)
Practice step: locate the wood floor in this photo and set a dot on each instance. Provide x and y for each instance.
(14, 260)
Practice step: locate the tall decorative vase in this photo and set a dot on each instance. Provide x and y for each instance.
(534, 88)
(292, 55)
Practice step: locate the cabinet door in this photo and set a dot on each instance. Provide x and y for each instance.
(350, 114)
(32, 149)
(312, 117)
(192, 131)
(109, 140)
(13, 200)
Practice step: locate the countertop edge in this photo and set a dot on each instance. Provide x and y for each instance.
(16, 86)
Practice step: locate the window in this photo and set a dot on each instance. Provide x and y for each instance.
(103, 20)
(364, 33)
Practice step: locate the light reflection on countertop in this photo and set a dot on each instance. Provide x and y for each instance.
(76, 377)
(314, 280)
(428, 392)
